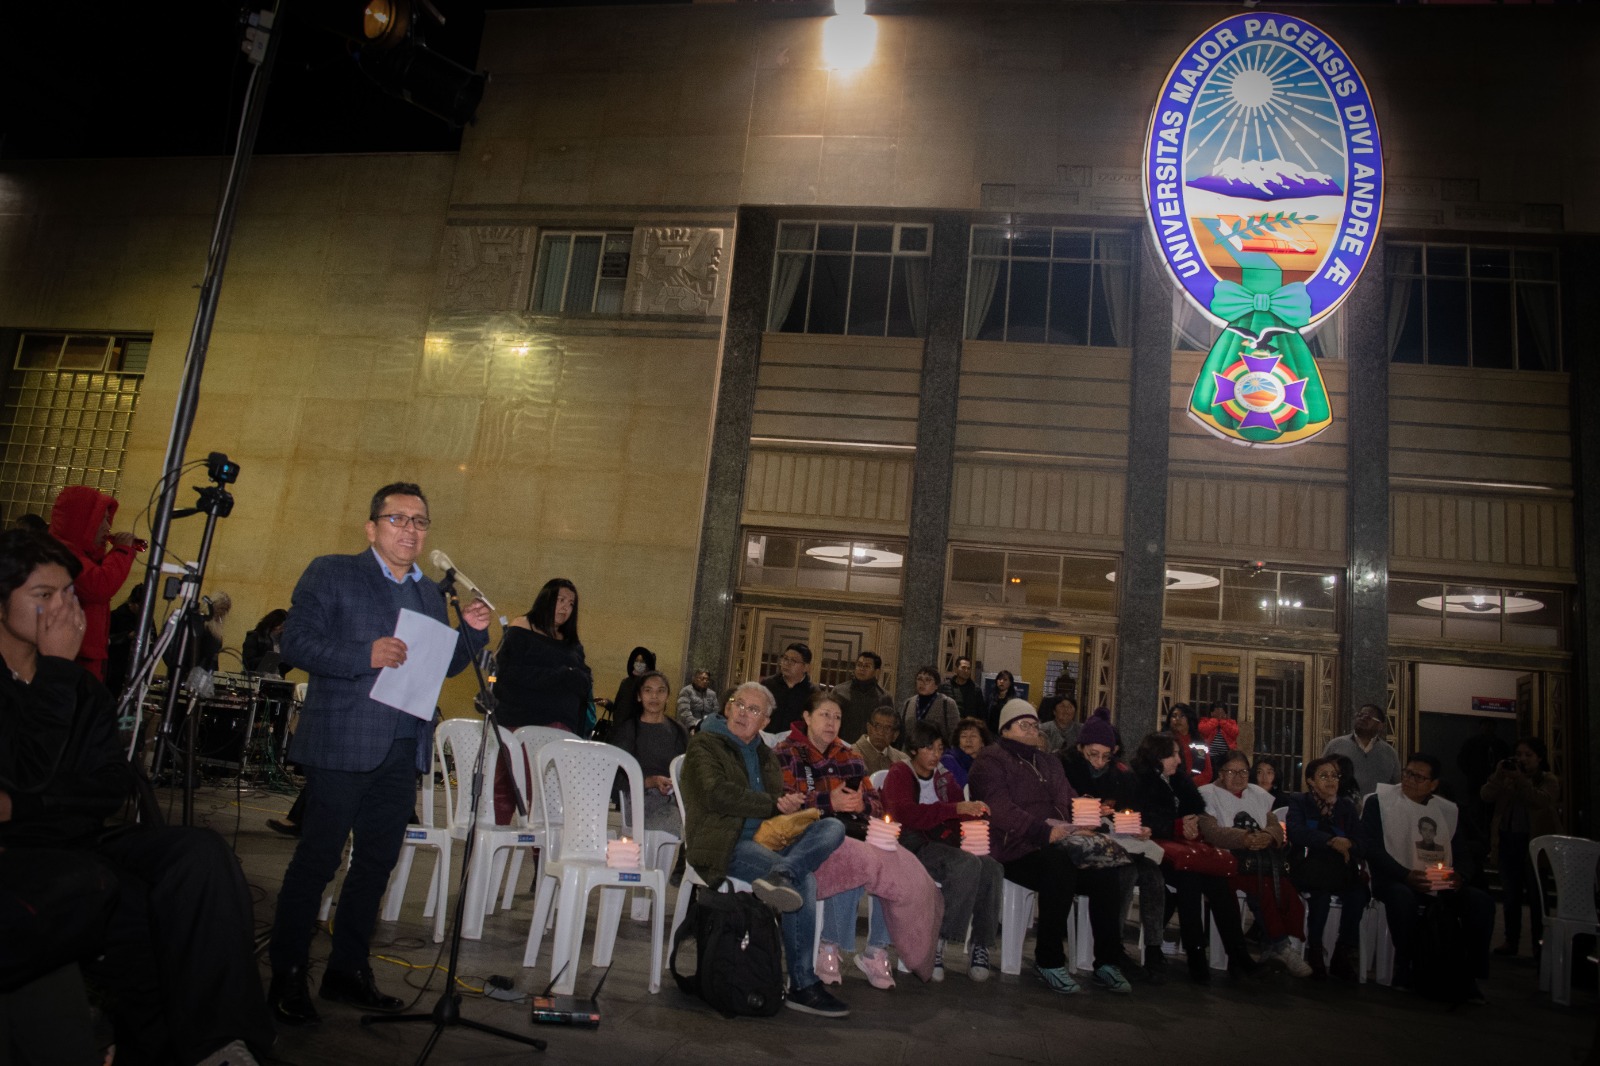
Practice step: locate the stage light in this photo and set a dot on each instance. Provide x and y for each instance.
(848, 38)
(392, 52)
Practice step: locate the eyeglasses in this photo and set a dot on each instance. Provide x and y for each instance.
(1412, 775)
(749, 708)
(1236, 773)
(1027, 725)
(792, 660)
(419, 522)
(1327, 775)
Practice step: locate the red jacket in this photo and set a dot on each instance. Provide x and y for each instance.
(902, 797)
(1230, 730)
(75, 521)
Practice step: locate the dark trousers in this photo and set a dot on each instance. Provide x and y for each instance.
(179, 970)
(373, 807)
(1519, 884)
(54, 907)
(1401, 904)
(1191, 888)
(1352, 901)
(1049, 872)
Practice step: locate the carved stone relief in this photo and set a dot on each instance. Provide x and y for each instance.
(485, 268)
(678, 271)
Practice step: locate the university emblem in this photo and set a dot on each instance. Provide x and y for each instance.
(1263, 179)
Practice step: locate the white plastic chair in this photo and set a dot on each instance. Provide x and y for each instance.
(585, 771)
(1572, 867)
(876, 777)
(692, 878)
(1016, 916)
(456, 744)
(530, 738)
(434, 834)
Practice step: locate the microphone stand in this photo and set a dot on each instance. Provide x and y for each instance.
(447, 1011)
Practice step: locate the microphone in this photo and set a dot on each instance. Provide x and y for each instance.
(442, 561)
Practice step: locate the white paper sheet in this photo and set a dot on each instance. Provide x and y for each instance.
(413, 687)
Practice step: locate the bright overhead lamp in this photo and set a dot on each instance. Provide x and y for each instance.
(849, 37)
(1480, 604)
(855, 555)
(1181, 580)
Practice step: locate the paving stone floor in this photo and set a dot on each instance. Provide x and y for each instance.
(1006, 1020)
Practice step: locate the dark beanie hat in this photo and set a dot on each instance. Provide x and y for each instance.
(1098, 730)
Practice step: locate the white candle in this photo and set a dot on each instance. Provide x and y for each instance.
(1126, 822)
(975, 837)
(883, 833)
(623, 854)
(1085, 811)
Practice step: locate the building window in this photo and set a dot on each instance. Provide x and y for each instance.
(1032, 579)
(864, 279)
(68, 408)
(1290, 599)
(582, 272)
(1430, 611)
(1470, 305)
(1050, 286)
(823, 564)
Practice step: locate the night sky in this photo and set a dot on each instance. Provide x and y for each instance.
(95, 79)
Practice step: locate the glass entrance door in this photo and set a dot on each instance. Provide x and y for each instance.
(835, 642)
(1266, 692)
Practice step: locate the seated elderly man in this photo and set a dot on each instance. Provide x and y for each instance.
(1409, 829)
(876, 746)
(1031, 835)
(731, 783)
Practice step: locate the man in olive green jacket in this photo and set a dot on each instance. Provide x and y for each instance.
(731, 782)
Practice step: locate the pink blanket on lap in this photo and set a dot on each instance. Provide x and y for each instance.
(912, 904)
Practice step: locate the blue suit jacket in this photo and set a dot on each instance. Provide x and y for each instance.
(340, 606)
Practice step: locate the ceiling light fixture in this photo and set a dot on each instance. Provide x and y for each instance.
(1180, 580)
(1480, 604)
(856, 555)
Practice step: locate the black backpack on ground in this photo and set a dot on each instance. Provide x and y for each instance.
(1441, 966)
(739, 954)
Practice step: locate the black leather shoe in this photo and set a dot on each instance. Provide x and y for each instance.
(290, 998)
(357, 988)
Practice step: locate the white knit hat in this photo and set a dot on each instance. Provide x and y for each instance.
(1014, 709)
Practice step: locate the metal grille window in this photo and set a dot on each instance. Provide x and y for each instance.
(68, 409)
(1470, 305)
(864, 279)
(1051, 286)
(582, 272)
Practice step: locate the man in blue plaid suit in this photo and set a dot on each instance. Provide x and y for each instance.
(360, 757)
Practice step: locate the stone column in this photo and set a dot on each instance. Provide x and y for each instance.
(1142, 576)
(923, 595)
(1364, 660)
(748, 291)
(1580, 274)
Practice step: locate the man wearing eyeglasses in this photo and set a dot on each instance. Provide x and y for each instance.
(360, 757)
(790, 687)
(1375, 760)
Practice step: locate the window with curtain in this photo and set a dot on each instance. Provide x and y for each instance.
(581, 272)
(866, 279)
(1050, 285)
(1474, 305)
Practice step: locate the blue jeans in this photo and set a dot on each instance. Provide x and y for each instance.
(799, 861)
(839, 920)
(374, 806)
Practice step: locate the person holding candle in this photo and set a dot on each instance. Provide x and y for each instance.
(1093, 770)
(1329, 847)
(1170, 806)
(1393, 823)
(828, 775)
(731, 783)
(972, 736)
(645, 732)
(1239, 817)
(924, 798)
(1030, 804)
(1526, 798)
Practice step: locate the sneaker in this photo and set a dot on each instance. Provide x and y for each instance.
(814, 999)
(978, 966)
(1110, 978)
(1058, 979)
(1287, 955)
(938, 961)
(874, 962)
(828, 965)
(1171, 948)
(234, 1054)
(777, 891)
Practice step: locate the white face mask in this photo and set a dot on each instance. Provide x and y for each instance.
(638, 668)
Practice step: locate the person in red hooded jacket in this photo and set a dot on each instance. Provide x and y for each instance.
(81, 519)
